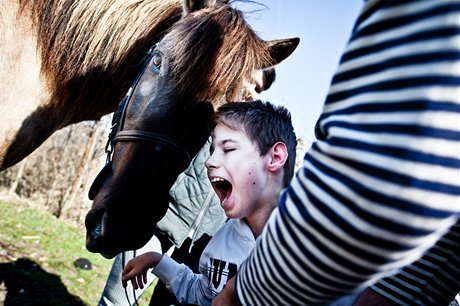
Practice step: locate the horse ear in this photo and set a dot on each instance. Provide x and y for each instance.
(281, 49)
(195, 5)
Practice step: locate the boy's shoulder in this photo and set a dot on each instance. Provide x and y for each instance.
(232, 243)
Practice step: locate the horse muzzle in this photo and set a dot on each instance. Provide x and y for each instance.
(96, 240)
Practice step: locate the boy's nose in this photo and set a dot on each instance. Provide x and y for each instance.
(210, 163)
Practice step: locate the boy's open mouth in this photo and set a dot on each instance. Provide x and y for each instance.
(222, 187)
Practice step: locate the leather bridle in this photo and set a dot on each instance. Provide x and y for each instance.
(118, 134)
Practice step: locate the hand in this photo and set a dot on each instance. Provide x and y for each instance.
(228, 295)
(136, 269)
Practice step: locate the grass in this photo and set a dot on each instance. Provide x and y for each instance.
(37, 255)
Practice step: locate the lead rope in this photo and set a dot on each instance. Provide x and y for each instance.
(126, 290)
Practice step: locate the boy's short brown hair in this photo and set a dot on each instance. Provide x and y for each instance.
(265, 124)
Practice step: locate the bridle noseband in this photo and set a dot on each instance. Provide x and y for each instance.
(118, 134)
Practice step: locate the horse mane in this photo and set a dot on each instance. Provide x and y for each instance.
(76, 36)
(217, 51)
(89, 49)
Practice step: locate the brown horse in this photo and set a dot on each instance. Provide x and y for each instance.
(200, 63)
(62, 62)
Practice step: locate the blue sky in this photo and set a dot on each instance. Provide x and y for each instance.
(324, 27)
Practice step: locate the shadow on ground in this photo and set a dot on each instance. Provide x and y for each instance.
(24, 282)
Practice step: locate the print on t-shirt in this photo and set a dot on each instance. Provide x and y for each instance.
(219, 272)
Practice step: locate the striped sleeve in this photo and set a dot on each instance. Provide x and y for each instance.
(382, 182)
(431, 280)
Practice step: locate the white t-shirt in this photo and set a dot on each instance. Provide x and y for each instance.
(219, 262)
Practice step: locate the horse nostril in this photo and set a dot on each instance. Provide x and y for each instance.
(94, 223)
(96, 231)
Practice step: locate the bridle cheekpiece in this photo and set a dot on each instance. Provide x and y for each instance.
(118, 134)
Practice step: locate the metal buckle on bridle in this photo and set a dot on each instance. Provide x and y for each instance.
(109, 145)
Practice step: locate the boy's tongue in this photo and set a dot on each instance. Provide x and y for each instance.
(223, 190)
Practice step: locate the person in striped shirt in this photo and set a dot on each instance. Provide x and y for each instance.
(381, 184)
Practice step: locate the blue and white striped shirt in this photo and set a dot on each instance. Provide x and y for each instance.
(431, 280)
(382, 182)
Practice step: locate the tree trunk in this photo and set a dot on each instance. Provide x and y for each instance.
(15, 183)
(82, 169)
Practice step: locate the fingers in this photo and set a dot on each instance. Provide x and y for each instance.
(136, 269)
(126, 280)
(129, 274)
(139, 281)
(125, 277)
(127, 271)
(134, 283)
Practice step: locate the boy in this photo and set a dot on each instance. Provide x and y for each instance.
(252, 159)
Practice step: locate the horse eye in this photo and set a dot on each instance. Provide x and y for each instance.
(156, 59)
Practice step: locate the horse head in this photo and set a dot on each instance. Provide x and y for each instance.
(200, 63)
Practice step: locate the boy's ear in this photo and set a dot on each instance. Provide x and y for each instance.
(279, 155)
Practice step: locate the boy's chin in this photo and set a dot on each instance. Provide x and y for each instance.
(230, 212)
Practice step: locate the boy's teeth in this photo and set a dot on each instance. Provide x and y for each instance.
(217, 179)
